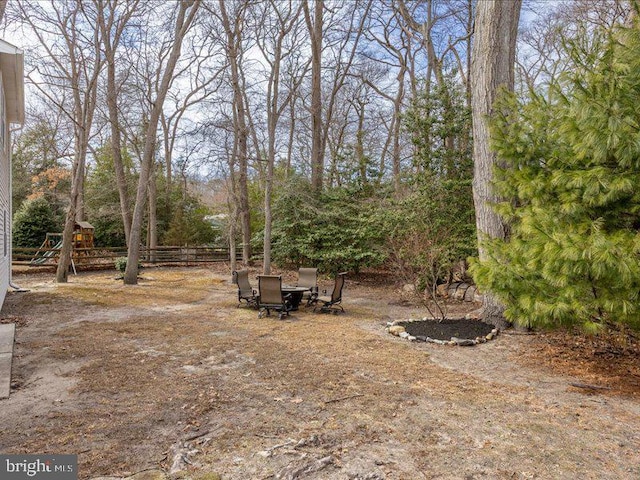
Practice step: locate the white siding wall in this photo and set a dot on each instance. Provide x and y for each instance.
(5, 200)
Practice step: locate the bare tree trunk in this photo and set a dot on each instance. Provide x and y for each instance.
(113, 27)
(66, 250)
(271, 45)
(292, 134)
(232, 204)
(232, 245)
(80, 216)
(3, 7)
(322, 112)
(240, 126)
(168, 156)
(317, 152)
(492, 68)
(469, 48)
(168, 141)
(184, 20)
(272, 101)
(244, 211)
(268, 220)
(152, 228)
(339, 134)
(397, 112)
(82, 142)
(361, 159)
(116, 149)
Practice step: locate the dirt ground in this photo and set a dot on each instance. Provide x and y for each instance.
(169, 375)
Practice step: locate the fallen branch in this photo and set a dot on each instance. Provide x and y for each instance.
(196, 435)
(293, 473)
(348, 397)
(180, 452)
(269, 451)
(180, 457)
(589, 387)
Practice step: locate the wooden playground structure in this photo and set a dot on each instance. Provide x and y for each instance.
(83, 234)
(86, 256)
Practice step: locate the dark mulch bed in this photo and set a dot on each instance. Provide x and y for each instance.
(448, 328)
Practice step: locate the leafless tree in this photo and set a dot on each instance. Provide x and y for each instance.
(276, 22)
(350, 21)
(233, 43)
(439, 33)
(200, 75)
(113, 17)
(398, 47)
(315, 25)
(186, 12)
(67, 76)
(541, 59)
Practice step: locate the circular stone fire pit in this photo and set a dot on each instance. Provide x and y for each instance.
(450, 331)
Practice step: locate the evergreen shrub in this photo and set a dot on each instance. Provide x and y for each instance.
(570, 187)
(188, 225)
(31, 223)
(336, 230)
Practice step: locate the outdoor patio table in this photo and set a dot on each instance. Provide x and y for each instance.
(296, 294)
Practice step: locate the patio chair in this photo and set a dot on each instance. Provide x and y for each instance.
(271, 296)
(245, 292)
(332, 304)
(308, 278)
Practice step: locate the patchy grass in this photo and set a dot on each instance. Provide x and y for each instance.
(166, 288)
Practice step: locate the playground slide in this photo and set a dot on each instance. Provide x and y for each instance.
(47, 255)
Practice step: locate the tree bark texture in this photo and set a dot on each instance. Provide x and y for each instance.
(232, 204)
(317, 154)
(152, 231)
(66, 250)
(492, 68)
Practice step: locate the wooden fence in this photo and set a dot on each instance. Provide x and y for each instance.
(105, 257)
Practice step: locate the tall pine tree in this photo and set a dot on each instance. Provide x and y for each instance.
(571, 179)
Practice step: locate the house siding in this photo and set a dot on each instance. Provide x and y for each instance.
(5, 199)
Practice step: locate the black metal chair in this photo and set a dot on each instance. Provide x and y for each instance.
(245, 292)
(332, 304)
(271, 297)
(308, 278)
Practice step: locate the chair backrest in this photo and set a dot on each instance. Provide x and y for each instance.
(270, 287)
(336, 295)
(241, 278)
(308, 277)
